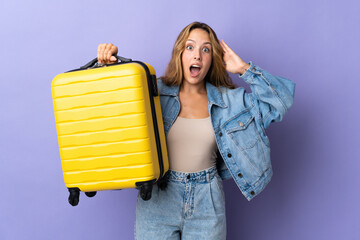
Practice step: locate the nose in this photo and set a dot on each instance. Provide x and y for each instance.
(197, 55)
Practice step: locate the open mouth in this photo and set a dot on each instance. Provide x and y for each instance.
(195, 70)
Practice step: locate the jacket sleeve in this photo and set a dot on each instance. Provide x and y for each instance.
(273, 96)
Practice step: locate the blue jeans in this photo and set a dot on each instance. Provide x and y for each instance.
(192, 207)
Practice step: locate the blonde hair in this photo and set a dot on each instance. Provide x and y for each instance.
(217, 74)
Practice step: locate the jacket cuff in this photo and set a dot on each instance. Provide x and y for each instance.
(248, 76)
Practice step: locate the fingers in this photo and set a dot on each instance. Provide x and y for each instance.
(225, 47)
(100, 51)
(113, 59)
(222, 45)
(106, 52)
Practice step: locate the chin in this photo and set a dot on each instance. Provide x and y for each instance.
(194, 81)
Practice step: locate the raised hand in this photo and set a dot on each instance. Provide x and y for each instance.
(233, 63)
(106, 52)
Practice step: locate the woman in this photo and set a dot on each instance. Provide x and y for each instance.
(213, 131)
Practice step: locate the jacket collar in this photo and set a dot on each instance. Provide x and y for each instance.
(213, 93)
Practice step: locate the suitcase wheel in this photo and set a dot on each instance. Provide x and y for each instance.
(74, 196)
(90, 194)
(145, 191)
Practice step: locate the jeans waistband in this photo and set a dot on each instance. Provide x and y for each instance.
(203, 176)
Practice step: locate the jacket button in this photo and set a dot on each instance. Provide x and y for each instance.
(229, 155)
(188, 177)
(241, 124)
(220, 134)
(240, 175)
(252, 193)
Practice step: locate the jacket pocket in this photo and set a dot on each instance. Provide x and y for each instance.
(254, 154)
(242, 131)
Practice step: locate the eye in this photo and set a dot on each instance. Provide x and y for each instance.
(205, 49)
(189, 47)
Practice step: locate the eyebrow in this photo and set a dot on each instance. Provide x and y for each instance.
(195, 42)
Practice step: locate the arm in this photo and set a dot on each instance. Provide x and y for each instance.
(272, 95)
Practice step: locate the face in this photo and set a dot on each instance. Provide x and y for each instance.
(197, 56)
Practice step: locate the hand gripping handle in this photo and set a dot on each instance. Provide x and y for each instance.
(95, 60)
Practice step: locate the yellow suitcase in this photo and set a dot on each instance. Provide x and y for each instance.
(109, 127)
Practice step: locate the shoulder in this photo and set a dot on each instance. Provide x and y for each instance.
(167, 90)
(162, 87)
(230, 95)
(160, 83)
(237, 96)
(226, 97)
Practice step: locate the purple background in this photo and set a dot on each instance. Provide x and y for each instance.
(314, 192)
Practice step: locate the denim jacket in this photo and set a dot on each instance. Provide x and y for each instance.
(239, 120)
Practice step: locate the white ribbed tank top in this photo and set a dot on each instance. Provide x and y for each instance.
(191, 145)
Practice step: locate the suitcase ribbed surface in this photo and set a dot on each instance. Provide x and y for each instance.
(104, 127)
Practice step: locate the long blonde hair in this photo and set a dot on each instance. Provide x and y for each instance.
(217, 74)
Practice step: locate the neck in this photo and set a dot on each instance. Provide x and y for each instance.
(199, 88)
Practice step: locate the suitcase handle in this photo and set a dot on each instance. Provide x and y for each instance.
(95, 60)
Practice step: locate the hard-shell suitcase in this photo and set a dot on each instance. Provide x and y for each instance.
(110, 129)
